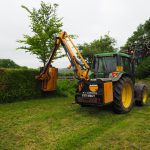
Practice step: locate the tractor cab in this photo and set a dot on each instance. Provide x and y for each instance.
(106, 63)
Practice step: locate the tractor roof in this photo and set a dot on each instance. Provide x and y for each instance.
(112, 54)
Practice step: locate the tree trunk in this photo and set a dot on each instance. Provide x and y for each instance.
(44, 62)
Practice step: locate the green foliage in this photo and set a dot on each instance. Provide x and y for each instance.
(45, 25)
(103, 44)
(66, 87)
(7, 63)
(18, 84)
(141, 34)
(143, 70)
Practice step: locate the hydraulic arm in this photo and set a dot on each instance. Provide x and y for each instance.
(49, 74)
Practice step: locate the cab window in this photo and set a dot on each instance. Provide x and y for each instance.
(126, 63)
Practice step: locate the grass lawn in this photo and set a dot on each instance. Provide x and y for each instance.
(56, 123)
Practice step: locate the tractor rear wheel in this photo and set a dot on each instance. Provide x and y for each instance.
(141, 94)
(123, 95)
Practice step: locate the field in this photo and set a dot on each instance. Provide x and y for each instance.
(56, 123)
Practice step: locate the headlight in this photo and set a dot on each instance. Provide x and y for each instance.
(93, 88)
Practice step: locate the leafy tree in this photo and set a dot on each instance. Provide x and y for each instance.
(141, 40)
(143, 69)
(101, 45)
(45, 25)
(7, 63)
(141, 35)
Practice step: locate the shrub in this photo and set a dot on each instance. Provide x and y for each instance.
(18, 84)
(143, 70)
(66, 87)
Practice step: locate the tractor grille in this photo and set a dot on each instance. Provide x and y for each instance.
(87, 100)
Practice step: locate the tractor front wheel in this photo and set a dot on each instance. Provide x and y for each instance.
(123, 95)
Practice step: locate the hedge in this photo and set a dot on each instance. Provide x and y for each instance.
(20, 84)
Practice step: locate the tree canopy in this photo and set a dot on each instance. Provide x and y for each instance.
(45, 25)
(143, 69)
(103, 44)
(140, 35)
(8, 63)
(140, 39)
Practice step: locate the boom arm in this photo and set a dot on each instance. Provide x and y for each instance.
(64, 40)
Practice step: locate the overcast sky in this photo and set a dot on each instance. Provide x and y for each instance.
(89, 19)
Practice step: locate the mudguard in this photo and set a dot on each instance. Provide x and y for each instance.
(118, 76)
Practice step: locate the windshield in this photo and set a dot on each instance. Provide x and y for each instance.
(105, 65)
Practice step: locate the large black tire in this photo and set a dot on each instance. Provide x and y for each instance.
(141, 94)
(123, 95)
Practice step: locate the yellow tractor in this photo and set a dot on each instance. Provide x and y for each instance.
(111, 78)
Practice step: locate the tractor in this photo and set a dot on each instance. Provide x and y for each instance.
(112, 80)
(109, 80)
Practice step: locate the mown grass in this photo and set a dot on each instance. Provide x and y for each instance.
(56, 123)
